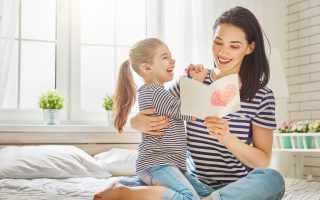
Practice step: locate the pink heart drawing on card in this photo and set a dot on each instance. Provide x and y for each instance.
(223, 97)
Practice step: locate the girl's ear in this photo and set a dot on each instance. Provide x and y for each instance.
(145, 68)
(251, 47)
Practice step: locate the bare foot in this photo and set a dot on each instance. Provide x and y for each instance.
(115, 192)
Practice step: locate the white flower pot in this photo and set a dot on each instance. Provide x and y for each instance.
(51, 116)
(110, 117)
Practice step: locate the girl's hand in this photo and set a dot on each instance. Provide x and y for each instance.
(197, 72)
(152, 125)
(218, 128)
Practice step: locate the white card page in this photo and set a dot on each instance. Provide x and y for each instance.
(218, 99)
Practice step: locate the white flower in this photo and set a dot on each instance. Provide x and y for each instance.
(314, 126)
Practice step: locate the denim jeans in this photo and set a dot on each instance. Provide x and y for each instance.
(259, 184)
(181, 185)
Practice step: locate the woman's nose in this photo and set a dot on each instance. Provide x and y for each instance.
(222, 52)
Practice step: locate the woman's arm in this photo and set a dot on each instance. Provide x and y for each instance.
(257, 155)
(152, 125)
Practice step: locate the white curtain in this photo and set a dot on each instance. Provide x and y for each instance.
(9, 11)
(186, 28)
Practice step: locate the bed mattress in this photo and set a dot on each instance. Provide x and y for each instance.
(84, 188)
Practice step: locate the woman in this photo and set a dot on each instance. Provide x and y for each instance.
(231, 153)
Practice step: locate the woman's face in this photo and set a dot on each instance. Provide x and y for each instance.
(229, 48)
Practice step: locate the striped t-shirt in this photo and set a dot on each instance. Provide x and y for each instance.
(211, 161)
(171, 148)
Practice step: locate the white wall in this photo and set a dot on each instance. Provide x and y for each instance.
(303, 67)
(303, 58)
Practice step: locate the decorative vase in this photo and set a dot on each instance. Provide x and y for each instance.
(308, 144)
(110, 114)
(286, 142)
(51, 116)
(300, 143)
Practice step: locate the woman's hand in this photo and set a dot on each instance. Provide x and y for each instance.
(197, 72)
(149, 124)
(256, 155)
(218, 128)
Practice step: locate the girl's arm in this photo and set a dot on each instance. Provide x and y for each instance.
(167, 104)
(194, 71)
(153, 125)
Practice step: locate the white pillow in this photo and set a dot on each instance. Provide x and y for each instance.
(48, 161)
(119, 162)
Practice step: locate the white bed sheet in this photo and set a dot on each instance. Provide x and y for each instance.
(297, 189)
(53, 189)
(84, 188)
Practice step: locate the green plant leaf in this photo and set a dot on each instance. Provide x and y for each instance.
(51, 100)
(108, 102)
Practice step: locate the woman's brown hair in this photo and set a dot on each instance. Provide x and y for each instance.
(254, 72)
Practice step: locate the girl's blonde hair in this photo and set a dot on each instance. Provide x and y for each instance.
(125, 94)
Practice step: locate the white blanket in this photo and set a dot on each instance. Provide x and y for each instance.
(84, 188)
(55, 189)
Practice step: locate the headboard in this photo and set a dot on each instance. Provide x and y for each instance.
(91, 142)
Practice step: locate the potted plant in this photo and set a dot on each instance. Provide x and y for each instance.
(51, 102)
(285, 127)
(108, 106)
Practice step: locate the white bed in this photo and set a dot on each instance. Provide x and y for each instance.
(55, 189)
(84, 188)
(40, 182)
(60, 171)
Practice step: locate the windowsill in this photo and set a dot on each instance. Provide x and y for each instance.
(59, 128)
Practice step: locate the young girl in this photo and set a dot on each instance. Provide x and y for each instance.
(161, 159)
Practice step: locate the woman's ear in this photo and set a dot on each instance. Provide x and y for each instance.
(145, 68)
(251, 47)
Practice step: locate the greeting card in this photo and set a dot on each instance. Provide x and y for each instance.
(218, 99)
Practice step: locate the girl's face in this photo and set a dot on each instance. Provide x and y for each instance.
(229, 48)
(162, 66)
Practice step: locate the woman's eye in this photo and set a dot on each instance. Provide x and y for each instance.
(234, 47)
(217, 43)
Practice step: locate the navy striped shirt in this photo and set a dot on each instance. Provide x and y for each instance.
(171, 148)
(211, 161)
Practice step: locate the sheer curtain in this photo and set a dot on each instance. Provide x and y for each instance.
(186, 28)
(9, 11)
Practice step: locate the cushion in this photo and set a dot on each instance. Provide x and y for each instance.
(119, 162)
(48, 161)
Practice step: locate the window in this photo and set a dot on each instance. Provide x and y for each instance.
(74, 46)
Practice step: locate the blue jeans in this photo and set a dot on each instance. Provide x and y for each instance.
(181, 185)
(259, 184)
